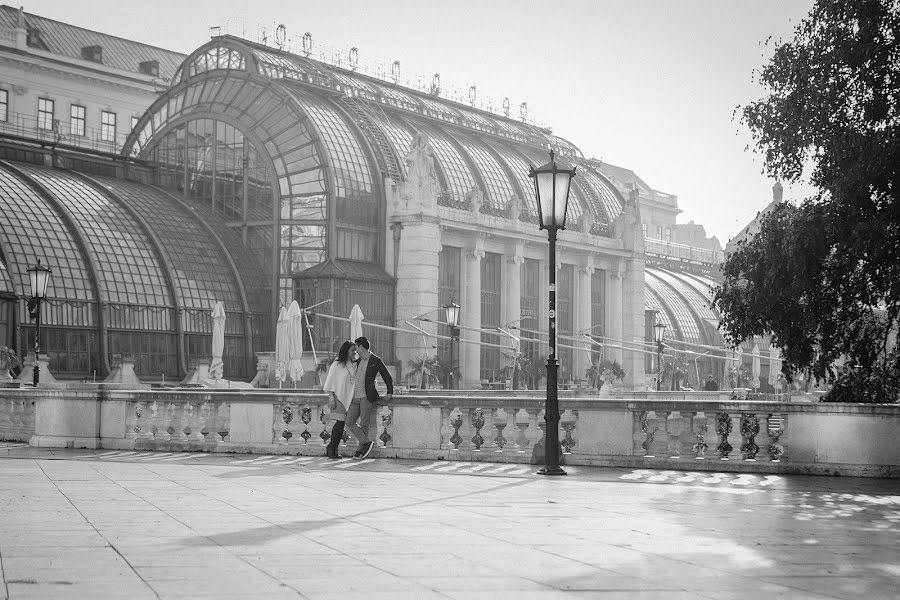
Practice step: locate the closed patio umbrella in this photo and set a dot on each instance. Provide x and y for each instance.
(281, 345)
(755, 367)
(295, 342)
(774, 365)
(356, 319)
(217, 366)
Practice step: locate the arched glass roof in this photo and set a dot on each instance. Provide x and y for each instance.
(686, 323)
(144, 245)
(32, 229)
(127, 265)
(472, 147)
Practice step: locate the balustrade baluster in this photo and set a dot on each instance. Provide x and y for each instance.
(169, 421)
(522, 421)
(723, 429)
(674, 428)
(477, 420)
(647, 420)
(223, 420)
(701, 429)
(385, 419)
(567, 421)
(157, 426)
(282, 416)
(749, 431)
(207, 422)
(455, 421)
(499, 420)
(305, 418)
(775, 425)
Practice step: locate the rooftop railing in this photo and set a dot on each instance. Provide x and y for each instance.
(63, 133)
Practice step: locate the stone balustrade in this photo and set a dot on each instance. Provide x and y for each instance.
(685, 432)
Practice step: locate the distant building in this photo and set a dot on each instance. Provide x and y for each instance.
(155, 184)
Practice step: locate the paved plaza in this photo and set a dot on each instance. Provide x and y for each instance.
(134, 525)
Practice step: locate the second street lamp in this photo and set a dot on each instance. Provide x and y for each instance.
(38, 277)
(551, 189)
(452, 317)
(659, 331)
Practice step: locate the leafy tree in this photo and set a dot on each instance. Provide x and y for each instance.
(823, 277)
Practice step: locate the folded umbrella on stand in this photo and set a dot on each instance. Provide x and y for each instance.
(295, 343)
(281, 346)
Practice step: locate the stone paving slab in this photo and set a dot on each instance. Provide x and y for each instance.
(87, 525)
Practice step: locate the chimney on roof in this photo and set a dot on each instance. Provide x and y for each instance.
(777, 191)
(149, 67)
(92, 53)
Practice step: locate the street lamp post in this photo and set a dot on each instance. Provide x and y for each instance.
(38, 276)
(551, 188)
(659, 331)
(452, 317)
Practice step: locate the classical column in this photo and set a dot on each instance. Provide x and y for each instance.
(470, 314)
(511, 311)
(614, 315)
(633, 322)
(582, 317)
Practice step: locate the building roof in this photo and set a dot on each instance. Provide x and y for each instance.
(353, 119)
(68, 40)
(129, 246)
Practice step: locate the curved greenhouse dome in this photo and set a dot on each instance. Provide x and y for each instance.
(135, 271)
(682, 301)
(295, 155)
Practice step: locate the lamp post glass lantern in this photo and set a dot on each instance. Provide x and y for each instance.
(659, 331)
(452, 317)
(38, 277)
(551, 189)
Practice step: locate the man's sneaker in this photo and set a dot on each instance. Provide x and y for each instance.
(359, 452)
(368, 450)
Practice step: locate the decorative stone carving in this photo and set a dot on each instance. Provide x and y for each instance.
(475, 199)
(775, 427)
(749, 430)
(477, 419)
(627, 225)
(420, 161)
(723, 429)
(515, 208)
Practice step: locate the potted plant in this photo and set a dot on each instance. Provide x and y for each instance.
(604, 371)
(424, 371)
(8, 360)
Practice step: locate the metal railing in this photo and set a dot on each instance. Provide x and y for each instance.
(683, 251)
(61, 133)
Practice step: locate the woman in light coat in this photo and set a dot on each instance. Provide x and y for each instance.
(339, 383)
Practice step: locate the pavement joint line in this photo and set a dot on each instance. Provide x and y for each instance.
(253, 461)
(155, 455)
(476, 468)
(452, 467)
(501, 469)
(356, 463)
(183, 457)
(431, 466)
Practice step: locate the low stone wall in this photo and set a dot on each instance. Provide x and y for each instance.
(692, 431)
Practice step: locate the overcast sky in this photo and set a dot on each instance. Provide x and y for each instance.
(649, 85)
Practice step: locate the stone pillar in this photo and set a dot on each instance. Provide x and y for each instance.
(511, 311)
(614, 314)
(470, 313)
(415, 236)
(582, 316)
(633, 323)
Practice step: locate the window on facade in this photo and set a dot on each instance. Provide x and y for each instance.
(644, 229)
(565, 320)
(491, 364)
(45, 114)
(449, 265)
(108, 126)
(134, 122)
(4, 105)
(530, 286)
(598, 311)
(668, 234)
(659, 234)
(76, 120)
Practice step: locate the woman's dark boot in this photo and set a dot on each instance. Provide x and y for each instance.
(336, 433)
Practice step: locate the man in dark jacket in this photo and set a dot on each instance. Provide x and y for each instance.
(365, 396)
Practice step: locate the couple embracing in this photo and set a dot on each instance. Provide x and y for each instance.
(351, 385)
